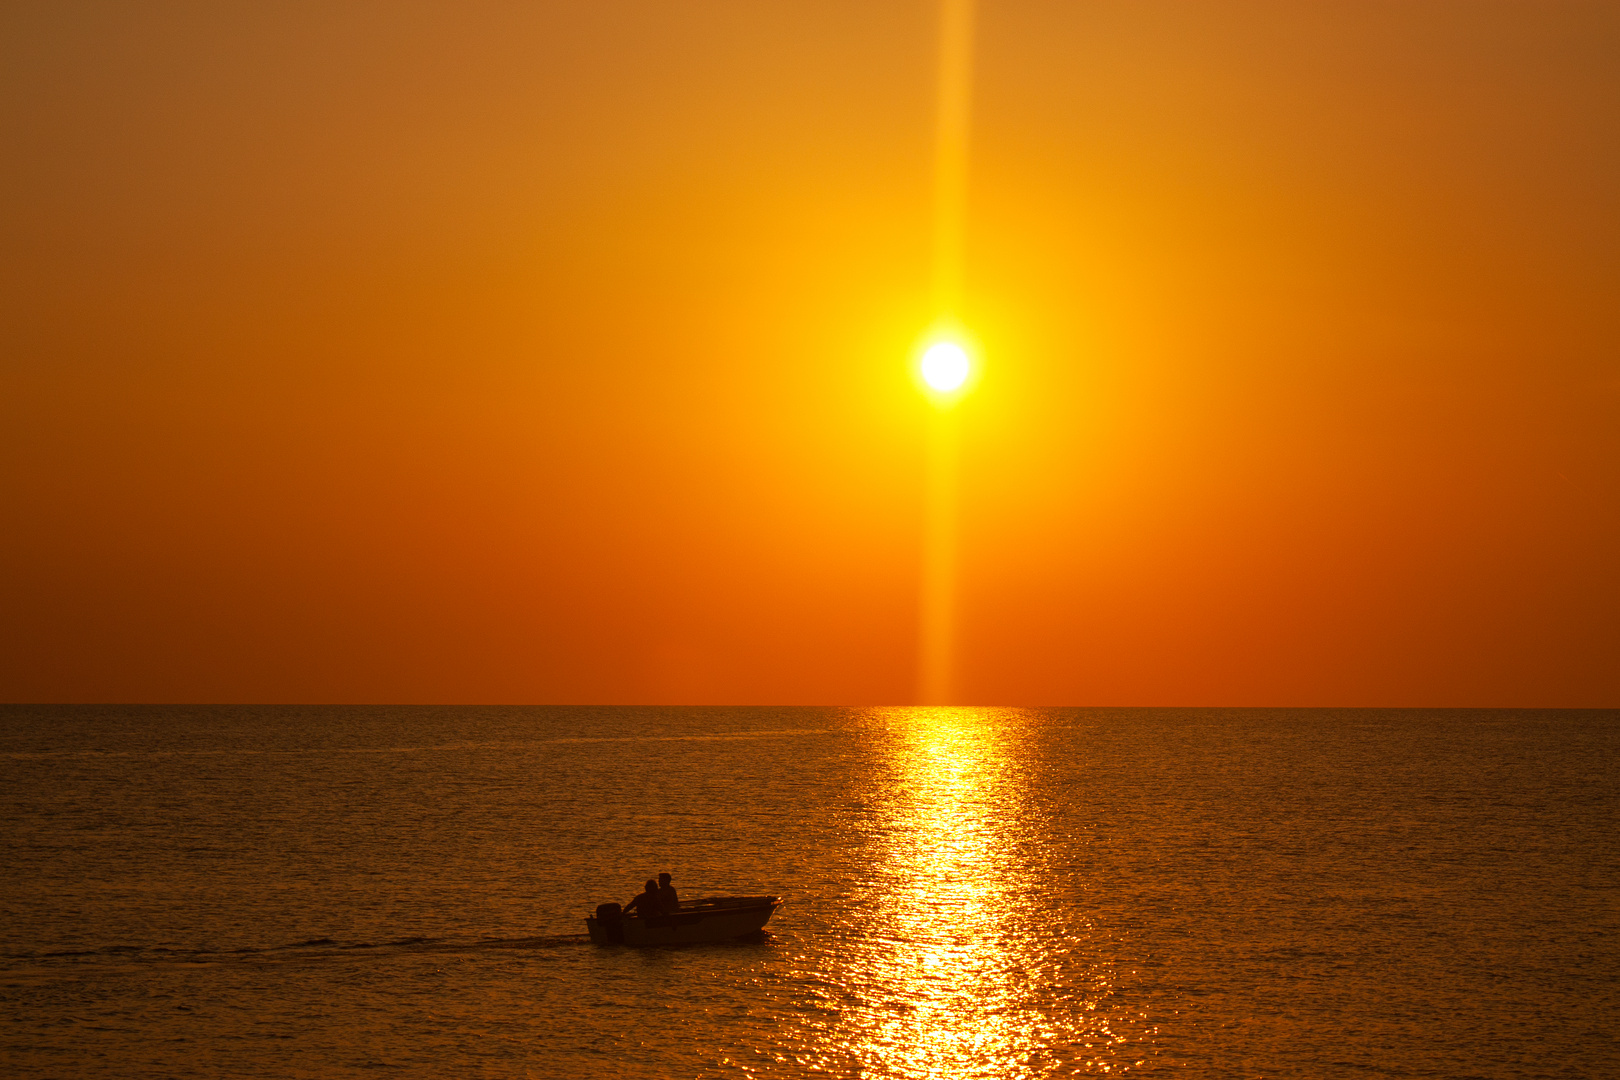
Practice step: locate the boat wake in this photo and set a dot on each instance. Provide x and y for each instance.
(310, 949)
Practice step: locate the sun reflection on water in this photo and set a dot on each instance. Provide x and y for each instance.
(960, 962)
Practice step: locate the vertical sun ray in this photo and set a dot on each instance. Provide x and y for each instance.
(937, 609)
(955, 97)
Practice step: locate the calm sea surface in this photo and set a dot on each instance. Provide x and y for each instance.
(323, 892)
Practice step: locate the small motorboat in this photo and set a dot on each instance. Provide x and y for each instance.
(714, 918)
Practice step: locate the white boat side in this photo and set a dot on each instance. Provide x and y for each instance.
(714, 918)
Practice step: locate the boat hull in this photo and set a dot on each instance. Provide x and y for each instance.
(720, 918)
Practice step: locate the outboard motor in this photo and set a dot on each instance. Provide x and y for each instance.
(611, 918)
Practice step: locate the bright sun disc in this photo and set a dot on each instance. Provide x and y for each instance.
(945, 366)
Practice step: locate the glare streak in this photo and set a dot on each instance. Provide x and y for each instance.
(938, 612)
(936, 645)
(951, 151)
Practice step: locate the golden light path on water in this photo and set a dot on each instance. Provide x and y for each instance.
(963, 958)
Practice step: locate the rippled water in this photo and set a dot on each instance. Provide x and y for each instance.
(971, 892)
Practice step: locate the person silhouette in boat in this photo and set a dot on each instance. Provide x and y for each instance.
(666, 891)
(648, 902)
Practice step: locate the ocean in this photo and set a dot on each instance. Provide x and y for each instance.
(307, 891)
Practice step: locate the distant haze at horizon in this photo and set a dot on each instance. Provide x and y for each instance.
(557, 353)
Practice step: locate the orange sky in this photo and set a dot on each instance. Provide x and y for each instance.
(516, 352)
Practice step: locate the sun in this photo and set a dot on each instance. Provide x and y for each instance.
(945, 366)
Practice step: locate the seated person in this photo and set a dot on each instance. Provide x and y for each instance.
(672, 902)
(647, 902)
